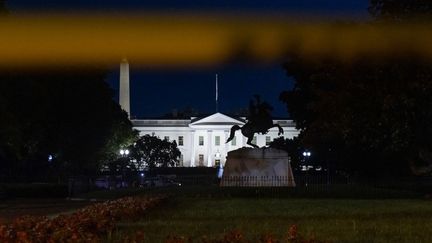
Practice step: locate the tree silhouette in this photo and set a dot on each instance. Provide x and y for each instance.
(367, 116)
(150, 151)
(401, 10)
(66, 114)
(3, 7)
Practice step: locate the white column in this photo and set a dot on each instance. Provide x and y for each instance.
(124, 96)
(193, 144)
(227, 148)
(209, 148)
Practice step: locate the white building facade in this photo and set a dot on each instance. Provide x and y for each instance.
(202, 140)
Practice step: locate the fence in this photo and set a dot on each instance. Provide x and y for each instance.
(257, 181)
(306, 185)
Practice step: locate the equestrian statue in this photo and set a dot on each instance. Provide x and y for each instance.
(258, 121)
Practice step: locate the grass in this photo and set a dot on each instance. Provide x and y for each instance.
(335, 220)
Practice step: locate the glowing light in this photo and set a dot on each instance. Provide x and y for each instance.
(122, 152)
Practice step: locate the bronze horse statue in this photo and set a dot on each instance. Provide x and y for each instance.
(259, 121)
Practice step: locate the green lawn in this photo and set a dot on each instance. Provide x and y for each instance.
(336, 220)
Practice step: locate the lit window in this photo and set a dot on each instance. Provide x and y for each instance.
(201, 140)
(181, 160)
(233, 141)
(268, 140)
(180, 140)
(217, 140)
(201, 160)
(217, 163)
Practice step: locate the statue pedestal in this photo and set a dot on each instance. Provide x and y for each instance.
(257, 167)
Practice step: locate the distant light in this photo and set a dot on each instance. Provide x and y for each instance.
(50, 158)
(304, 153)
(142, 174)
(308, 154)
(126, 151)
(220, 172)
(122, 152)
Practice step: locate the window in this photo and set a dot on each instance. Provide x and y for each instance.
(201, 160)
(217, 163)
(233, 141)
(181, 160)
(166, 138)
(254, 140)
(217, 140)
(180, 140)
(201, 140)
(268, 140)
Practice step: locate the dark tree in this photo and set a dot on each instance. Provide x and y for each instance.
(292, 146)
(374, 114)
(150, 151)
(367, 116)
(69, 115)
(401, 10)
(2, 7)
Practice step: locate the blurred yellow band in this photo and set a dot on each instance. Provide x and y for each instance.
(158, 40)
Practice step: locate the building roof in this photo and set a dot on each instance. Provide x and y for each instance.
(216, 119)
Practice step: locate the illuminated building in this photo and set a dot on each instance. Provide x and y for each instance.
(201, 140)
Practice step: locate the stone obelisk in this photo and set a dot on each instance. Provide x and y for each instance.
(124, 96)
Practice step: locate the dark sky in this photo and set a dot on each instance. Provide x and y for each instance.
(158, 92)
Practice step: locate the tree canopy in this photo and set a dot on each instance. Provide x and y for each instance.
(69, 115)
(367, 116)
(401, 10)
(150, 151)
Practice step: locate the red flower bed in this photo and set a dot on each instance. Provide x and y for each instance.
(89, 224)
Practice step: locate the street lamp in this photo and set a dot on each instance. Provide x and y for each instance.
(123, 153)
(306, 155)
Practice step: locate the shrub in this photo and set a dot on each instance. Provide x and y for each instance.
(89, 224)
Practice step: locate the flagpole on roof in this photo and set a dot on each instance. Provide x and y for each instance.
(217, 108)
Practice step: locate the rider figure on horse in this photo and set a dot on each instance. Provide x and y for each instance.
(259, 121)
(259, 115)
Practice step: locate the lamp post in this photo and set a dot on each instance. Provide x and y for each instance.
(306, 155)
(123, 153)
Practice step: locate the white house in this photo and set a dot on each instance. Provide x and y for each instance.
(202, 140)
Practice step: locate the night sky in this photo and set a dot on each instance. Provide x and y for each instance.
(156, 92)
